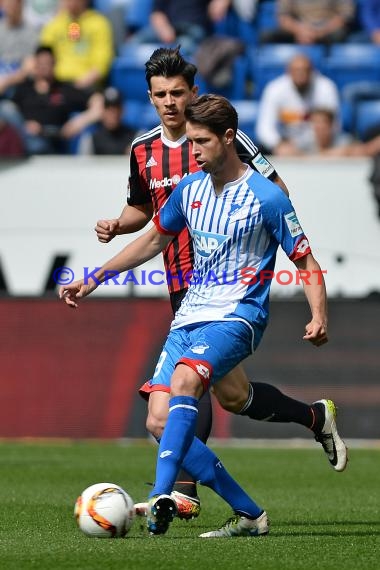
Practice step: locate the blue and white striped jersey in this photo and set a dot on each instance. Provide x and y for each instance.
(236, 235)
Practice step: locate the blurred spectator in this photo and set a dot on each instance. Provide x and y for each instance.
(47, 106)
(112, 136)
(326, 136)
(284, 111)
(18, 40)
(11, 143)
(328, 141)
(369, 14)
(186, 23)
(81, 40)
(117, 13)
(370, 148)
(312, 21)
(39, 12)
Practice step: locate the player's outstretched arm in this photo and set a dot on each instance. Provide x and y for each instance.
(315, 291)
(132, 219)
(134, 254)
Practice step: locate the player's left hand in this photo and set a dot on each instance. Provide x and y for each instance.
(316, 333)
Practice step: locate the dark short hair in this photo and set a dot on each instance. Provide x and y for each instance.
(112, 97)
(214, 112)
(168, 62)
(44, 49)
(329, 114)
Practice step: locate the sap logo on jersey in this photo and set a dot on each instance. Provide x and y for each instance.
(207, 243)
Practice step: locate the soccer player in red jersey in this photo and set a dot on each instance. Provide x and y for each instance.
(159, 159)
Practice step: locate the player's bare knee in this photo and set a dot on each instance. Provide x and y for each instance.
(179, 386)
(185, 382)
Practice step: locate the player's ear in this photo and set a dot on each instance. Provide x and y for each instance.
(194, 91)
(150, 96)
(229, 136)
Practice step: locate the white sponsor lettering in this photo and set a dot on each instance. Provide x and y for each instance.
(166, 182)
(293, 224)
(206, 244)
(262, 165)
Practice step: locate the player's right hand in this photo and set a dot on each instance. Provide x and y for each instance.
(106, 230)
(71, 293)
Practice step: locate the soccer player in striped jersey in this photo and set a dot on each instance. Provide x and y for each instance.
(159, 160)
(239, 220)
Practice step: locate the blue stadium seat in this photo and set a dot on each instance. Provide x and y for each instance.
(266, 17)
(141, 52)
(351, 95)
(367, 115)
(72, 146)
(129, 78)
(140, 116)
(128, 71)
(247, 113)
(269, 61)
(138, 13)
(103, 6)
(235, 27)
(348, 63)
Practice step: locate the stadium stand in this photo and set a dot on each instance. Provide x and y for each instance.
(367, 116)
(128, 71)
(138, 13)
(139, 115)
(351, 95)
(266, 18)
(235, 27)
(354, 67)
(247, 113)
(348, 63)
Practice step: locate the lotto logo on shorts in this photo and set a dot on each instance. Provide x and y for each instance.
(203, 371)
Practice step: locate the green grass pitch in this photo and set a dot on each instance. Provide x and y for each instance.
(320, 519)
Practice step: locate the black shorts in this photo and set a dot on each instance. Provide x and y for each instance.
(176, 299)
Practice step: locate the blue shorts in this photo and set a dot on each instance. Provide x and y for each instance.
(211, 349)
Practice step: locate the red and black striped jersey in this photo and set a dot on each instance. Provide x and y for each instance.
(156, 166)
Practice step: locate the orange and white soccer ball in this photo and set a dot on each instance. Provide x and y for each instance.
(104, 510)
